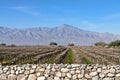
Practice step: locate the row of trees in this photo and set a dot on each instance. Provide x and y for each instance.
(4, 44)
(51, 43)
(111, 44)
(102, 44)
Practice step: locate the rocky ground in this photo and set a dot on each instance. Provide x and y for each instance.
(60, 72)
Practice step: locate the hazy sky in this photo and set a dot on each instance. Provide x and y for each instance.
(93, 15)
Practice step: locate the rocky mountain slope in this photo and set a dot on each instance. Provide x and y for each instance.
(63, 34)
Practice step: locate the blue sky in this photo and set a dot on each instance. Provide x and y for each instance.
(92, 15)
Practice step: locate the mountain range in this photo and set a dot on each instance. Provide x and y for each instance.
(63, 35)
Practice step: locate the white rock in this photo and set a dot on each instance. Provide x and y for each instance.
(21, 77)
(27, 68)
(5, 69)
(64, 70)
(118, 75)
(12, 71)
(66, 79)
(93, 70)
(63, 74)
(89, 67)
(26, 76)
(22, 67)
(80, 75)
(56, 78)
(77, 71)
(112, 70)
(82, 71)
(117, 71)
(21, 71)
(99, 70)
(0, 65)
(27, 72)
(102, 75)
(1, 71)
(32, 77)
(108, 79)
(105, 71)
(8, 72)
(74, 77)
(93, 73)
(3, 76)
(104, 67)
(58, 74)
(112, 78)
(48, 67)
(68, 75)
(32, 71)
(38, 74)
(53, 69)
(95, 78)
(87, 76)
(19, 68)
(95, 67)
(111, 75)
(47, 71)
(56, 67)
(17, 72)
(41, 78)
(34, 66)
(117, 78)
(49, 78)
(69, 66)
(46, 75)
(42, 69)
(75, 65)
(12, 77)
(72, 72)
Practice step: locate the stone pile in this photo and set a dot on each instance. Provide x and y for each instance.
(60, 72)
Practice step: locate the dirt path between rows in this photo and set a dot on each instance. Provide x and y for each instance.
(76, 56)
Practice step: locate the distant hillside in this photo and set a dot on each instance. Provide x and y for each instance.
(62, 35)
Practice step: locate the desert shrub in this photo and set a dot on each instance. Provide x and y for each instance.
(53, 43)
(60, 46)
(86, 61)
(71, 44)
(12, 45)
(2, 44)
(100, 44)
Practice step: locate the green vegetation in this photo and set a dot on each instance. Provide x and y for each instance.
(85, 61)
(51, 62)
(53, 43)
(70, 57)
(114, 43)
(100, 44)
